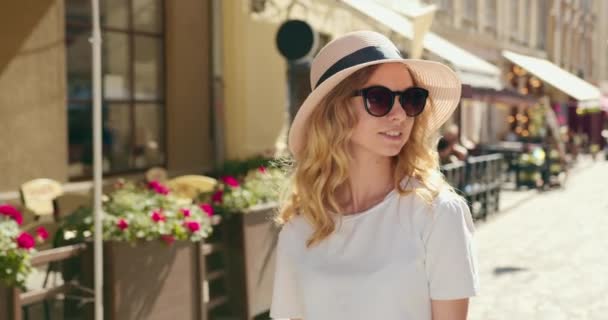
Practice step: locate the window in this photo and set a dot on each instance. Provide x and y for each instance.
(133, 100)
(543, 8)
(470, 10)
(514, 19)
(490, 16)
(444, 5)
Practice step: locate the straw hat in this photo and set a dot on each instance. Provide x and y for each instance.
(356, 50)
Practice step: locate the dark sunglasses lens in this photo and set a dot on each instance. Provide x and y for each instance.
(413, 101)
(379, 101)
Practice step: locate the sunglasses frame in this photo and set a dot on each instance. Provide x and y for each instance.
(363, 93)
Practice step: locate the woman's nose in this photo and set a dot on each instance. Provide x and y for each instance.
(397, 112)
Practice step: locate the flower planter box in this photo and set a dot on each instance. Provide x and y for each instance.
(250, 239)
(150, 280)
(9, 309)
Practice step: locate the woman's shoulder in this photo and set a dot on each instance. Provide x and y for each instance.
(444, 194)
(448, 198)
(452, 209)
(423, 213)
(296, 229)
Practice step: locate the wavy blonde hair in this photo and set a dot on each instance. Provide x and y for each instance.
(322, 167)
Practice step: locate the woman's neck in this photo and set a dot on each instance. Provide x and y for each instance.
(370, 180)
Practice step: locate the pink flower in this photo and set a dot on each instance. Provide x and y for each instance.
(168, 239)
(231, 181)
(262, 169)
(25, 241)
(185, 212)
(42, 234)
(11, 212)
(207, 208)
(158, 217)
(217, 197)
(122, 224)
(158, 187)
(193, 226)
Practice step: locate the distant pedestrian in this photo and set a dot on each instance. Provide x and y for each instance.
(370, 229)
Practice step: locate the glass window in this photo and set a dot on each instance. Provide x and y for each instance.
(514, 19)
(470, 10)
(132, 80)
(78, 11)
(147, 15)
(543, 8)
(79, 66)
(117, 137)
(444, 5)
(114, 14)
(148, 51)
(490, 14)
(149, 129)
(116, 73)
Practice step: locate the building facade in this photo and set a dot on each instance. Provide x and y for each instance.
(545, 35)
(156, 88)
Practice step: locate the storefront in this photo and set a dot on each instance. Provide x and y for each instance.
(573, 104)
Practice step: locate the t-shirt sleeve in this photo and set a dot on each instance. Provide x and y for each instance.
(286, 299)
(451, 263)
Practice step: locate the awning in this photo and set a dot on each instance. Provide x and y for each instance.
(577, 88)
(471, 69)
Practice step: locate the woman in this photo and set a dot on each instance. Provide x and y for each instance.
(370, 229)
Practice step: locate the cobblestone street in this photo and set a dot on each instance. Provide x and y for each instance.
(547, 258)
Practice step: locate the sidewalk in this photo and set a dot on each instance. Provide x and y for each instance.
(510, 198)
(546, 258)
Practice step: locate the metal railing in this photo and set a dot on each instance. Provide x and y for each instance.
(478, 179)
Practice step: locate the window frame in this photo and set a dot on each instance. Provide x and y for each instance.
(131, 101)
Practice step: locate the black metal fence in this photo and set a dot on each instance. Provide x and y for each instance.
(479, 180)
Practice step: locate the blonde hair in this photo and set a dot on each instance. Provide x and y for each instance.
(322, 165)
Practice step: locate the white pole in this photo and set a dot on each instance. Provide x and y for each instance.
(97, 160)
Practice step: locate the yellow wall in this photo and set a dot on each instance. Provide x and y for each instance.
(33, 126)
(255, 83)
(255, 73)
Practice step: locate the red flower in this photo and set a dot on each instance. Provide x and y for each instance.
(42, 234)
(158, 187)
(122, 224)
(231, 181)
(207, 208)
(25, 241)
(193, 226)
(217, 197)
(185, 212)
(168, 239)
(11, 212)
(158, 217)
(262, 169)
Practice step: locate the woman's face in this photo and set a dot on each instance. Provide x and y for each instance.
(383, 136)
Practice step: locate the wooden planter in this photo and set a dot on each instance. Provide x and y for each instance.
(250, 240)
(151, 280)
(9, 309)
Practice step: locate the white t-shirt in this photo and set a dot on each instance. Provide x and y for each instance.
(387, 262)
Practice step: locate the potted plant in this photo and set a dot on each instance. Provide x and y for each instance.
(152, 252)
(247, 205)
(16, 249)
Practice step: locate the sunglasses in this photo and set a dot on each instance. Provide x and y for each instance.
(379, 100)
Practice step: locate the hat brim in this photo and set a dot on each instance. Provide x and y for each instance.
(442, 83)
